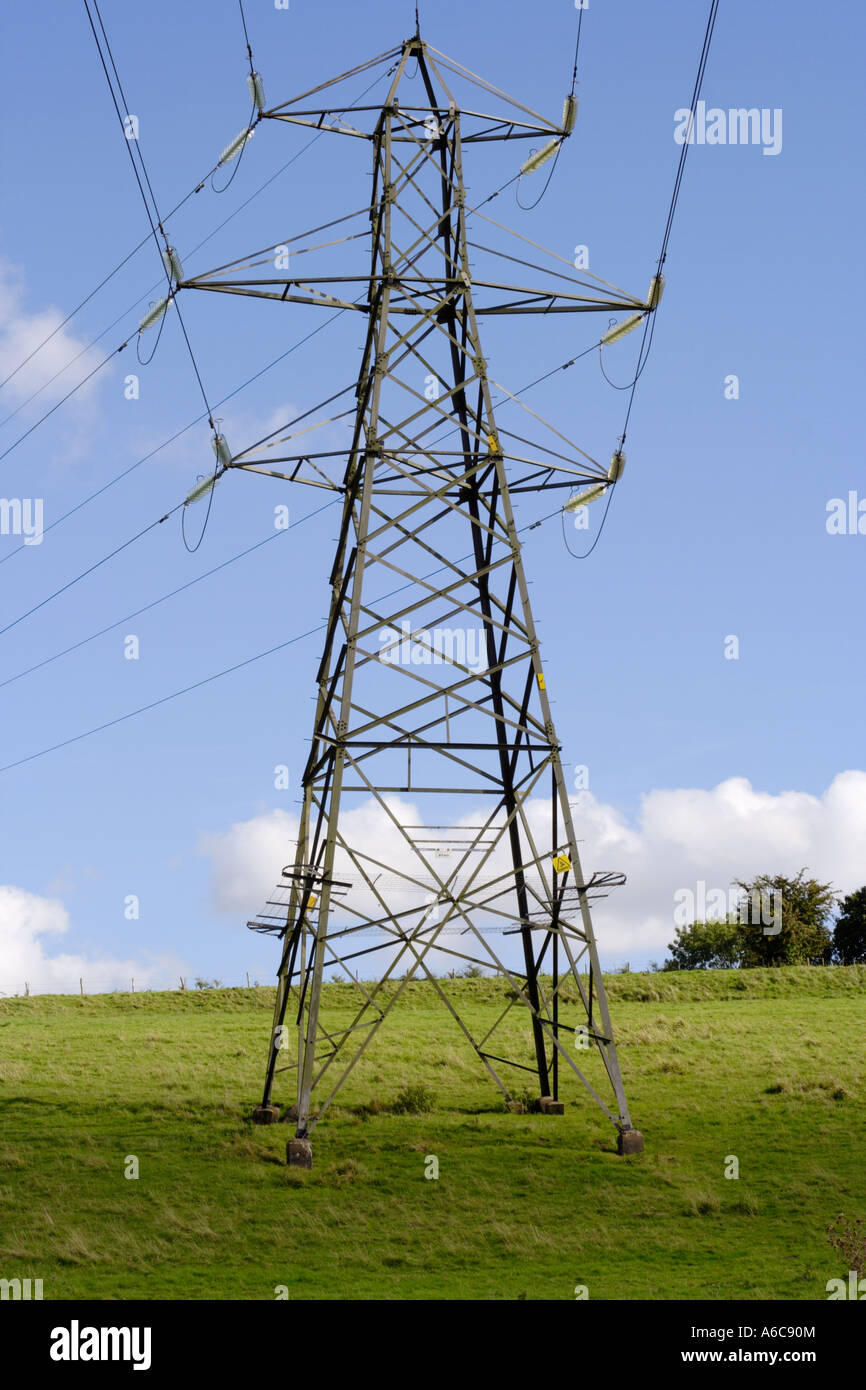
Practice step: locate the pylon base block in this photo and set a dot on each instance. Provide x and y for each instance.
(516, 1107)
(548, 1106)
(299, 1153)
(630, 1141)
(266, 1114)
(290, 1114)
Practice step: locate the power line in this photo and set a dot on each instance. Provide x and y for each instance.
(110, 627)
(227, 671)
(650, 321)
(97, 565)
(529, 207)
(197, 189)
(177, 435)
(246, 36)
(490, 197)
(63, 400)
(649, 326)
(167, 257)
(132, 155)
(699, 79)
(577, 49)
(153, 287)
(119, 549)
(523, 389)
(154, 704)
(71, 315)
(125, 472)
(268, 367)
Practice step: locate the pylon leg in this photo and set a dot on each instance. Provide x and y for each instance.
(299, 1153)
(630, 1141)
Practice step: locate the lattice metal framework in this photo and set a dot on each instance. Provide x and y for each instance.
(431, 689)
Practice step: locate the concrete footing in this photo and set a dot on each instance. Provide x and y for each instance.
(266, 1114)
(516, 1107)
(299, 1153)
(630, 1141)
(548, 1106)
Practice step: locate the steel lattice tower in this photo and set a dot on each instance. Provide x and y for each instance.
(460, 723)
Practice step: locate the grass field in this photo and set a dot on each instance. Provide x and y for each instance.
(765, 1065)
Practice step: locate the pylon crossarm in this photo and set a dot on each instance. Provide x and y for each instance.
(381, 58)
(295, 476)
(531, 299)
(451, 65)
(628, 299)
(496, 128)
(264, 255)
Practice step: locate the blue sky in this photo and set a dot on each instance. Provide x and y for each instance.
(700, 767)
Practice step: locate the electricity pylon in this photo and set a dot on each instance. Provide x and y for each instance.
(431, 685)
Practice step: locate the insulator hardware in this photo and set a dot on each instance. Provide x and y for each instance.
(569, 113)
(155, 313)
(257, 89)
(171, 261)
(619, 330)
(617, 466)
(589, 494)
(222, 450)
(236, 145)
(655, 292)
(202, 489)
(540, 157)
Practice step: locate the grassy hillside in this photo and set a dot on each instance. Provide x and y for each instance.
(765, 1065)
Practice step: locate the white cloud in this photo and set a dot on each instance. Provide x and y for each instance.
(26, 919)
(731, 831)
(679, 837)
(247, 859)
(22, 331)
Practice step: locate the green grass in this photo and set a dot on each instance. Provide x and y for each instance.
(766, 1065)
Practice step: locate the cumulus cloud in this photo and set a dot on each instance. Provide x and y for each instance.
(678, 838)
(22, 330)
(247, 859)
(26, 920)
(689, 835)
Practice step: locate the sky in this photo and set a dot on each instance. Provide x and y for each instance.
(705, 662)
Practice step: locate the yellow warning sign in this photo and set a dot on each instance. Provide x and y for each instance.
(562, 863)
(541, 684)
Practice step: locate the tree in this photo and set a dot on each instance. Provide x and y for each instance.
(849, 937)
(785, 921)
(705, 946)
(781, 921)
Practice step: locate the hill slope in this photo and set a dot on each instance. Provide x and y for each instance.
(767, 1066)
